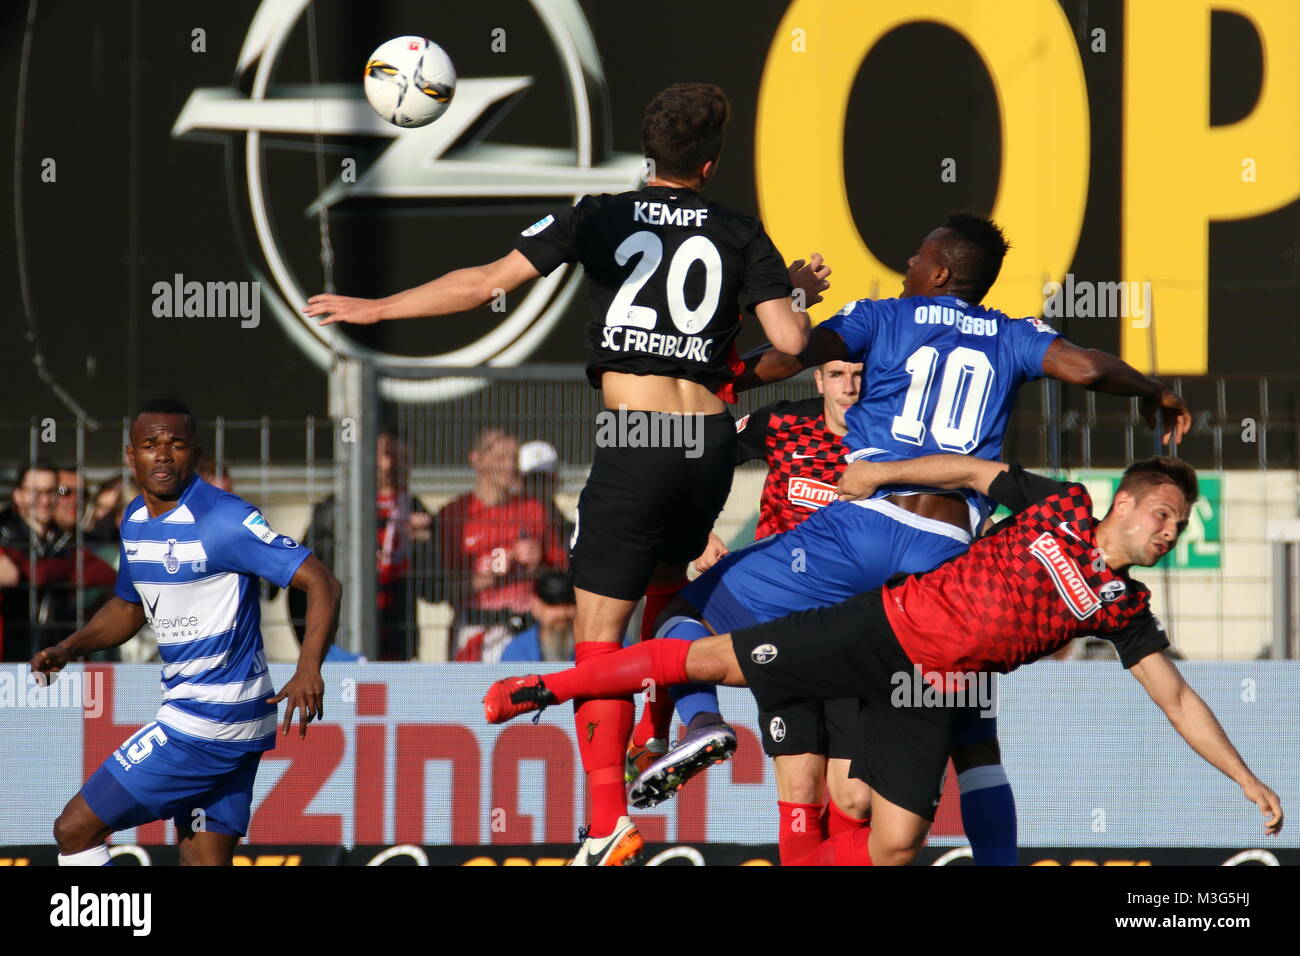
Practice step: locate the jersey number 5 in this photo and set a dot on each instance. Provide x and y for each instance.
(141, 745)
(651, 250)
(963, 395)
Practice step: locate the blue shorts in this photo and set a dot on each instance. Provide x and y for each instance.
(840, 551)
(157, 774)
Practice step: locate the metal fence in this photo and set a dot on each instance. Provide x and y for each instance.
(428, 468)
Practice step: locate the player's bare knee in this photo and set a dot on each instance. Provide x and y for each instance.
(982, 753)
(712, 660)
(893, 855)
(853, 797)
(70, 834)
(801, 787)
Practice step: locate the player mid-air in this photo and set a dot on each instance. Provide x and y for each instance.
(942, 373)
(1051, 573)
(669, 275)
(191, 558)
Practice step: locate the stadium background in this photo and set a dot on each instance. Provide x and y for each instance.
(1071, 137)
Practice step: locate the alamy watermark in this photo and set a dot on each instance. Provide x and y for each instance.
(208, 300)
(73, 688)
(637, 429)
(1084, 299)
(974, 689)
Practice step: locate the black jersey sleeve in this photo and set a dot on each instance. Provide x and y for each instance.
(766, 276)
(1018, 489)
(751, 434)
(1142, 636)
(550, 242)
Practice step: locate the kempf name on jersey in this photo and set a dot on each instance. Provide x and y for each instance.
(660, 214)
(656, 343)
(810, 493)
(1080, 598)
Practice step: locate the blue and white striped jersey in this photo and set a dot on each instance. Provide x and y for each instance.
(939, 375)
(195, 569)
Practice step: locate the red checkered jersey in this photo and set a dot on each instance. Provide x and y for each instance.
(1025, 590)
(475, 539)
(804, 461)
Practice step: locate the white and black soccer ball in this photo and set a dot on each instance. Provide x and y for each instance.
(410, 81)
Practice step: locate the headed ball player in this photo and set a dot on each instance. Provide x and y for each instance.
(191, 557)
(942, 373)
(1049, 574)
(669, 275)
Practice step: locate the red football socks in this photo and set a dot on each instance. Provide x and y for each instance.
(802, 830)
(847, 849)
(838, 821)
(603, 727)
(657, 712)
(617, 673)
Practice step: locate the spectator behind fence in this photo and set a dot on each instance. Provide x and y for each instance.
(105, 512)
(550, 637)
(45, 561)
(539, 470)
(208, 472)
(404, 539)
(490, 544)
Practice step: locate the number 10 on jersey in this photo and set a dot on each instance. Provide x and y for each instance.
(958, 416)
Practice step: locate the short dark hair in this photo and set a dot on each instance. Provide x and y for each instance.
(973, 251)
(40, 464)
(167, 406)
(682, 128)
(1141, 476)
(554, 587)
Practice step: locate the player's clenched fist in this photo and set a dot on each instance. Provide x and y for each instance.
(343, 308)
(1269, 805)
(860, 480)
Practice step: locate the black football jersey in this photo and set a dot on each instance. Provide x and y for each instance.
(669, 275)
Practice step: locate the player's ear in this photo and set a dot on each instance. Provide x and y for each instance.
(707, 171)
(942, 275)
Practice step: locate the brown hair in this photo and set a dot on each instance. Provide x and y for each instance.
(1141, 476)
(682, 129)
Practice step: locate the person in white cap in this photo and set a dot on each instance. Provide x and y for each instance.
(539, 468)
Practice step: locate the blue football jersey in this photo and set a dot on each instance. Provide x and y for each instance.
(940, 376)
(195, 570)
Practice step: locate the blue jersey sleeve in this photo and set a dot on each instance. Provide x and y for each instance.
(125, 588)
(856, 324)
(245, 543)
(1030, 340)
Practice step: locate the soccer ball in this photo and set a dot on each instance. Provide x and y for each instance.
(410, 81)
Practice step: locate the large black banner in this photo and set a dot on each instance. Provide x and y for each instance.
(1142, 156)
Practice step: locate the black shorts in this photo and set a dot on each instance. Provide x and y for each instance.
(642, 505)
(849, 650)
(831, 728)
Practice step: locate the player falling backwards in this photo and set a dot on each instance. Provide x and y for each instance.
(801, 444)
(1049, 574)
(942, 374)
(669, 274)
(191, 557)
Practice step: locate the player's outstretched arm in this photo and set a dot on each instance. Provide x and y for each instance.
(455, 292)
(1196, 724)
(862, 478)
(767, 364)
(305, 690)
(1103, 372)
(113, 624)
